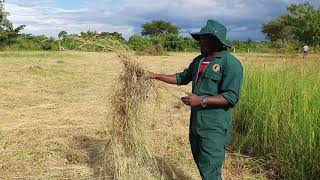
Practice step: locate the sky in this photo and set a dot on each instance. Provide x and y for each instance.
(243, 18)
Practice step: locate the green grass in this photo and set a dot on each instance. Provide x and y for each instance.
(278, 119)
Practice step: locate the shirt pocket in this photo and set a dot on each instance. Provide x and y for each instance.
(210, 82)
(214, 76)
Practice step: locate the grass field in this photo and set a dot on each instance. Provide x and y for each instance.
(279, 115)
(55, 116)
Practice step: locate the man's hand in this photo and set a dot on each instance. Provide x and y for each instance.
(192, 100)
(170, 79)
(151, 75)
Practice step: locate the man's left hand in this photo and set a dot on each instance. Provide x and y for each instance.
(192, 100)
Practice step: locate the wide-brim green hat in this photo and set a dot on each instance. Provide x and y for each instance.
(214, 29)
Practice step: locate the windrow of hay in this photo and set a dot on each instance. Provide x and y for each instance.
(130, 157)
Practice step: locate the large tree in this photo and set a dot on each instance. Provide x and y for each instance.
(304, 21)
(62, 34)
(300, 22)
(277, 29)
(158, 27)
(8, 33)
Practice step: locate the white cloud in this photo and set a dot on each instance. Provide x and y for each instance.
(50, 21)
(242, 17)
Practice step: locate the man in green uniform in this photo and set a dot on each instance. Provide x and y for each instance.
(216, 77)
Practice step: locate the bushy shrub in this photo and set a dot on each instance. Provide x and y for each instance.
(138, 43)
(170, 42)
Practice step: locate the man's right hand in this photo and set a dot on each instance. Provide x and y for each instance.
(151, 75)
(170, 79)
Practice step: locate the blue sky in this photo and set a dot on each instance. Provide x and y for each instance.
(70, 4)
(243, 18)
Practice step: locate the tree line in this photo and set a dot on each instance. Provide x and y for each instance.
(299, 25)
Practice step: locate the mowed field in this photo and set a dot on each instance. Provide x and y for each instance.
(55, 116)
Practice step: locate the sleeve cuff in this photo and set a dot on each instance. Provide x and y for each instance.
(178, 79)
(231, 99)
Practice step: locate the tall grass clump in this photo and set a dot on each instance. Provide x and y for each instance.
(278, 119)
(130, 156)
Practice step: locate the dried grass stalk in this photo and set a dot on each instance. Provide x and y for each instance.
(131, 159)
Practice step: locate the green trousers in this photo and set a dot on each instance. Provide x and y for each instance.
(208, 145)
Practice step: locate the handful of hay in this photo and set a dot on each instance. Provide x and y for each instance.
(132, 91)
(130, 158)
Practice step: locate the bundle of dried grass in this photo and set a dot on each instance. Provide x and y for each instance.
(132, 91)
(130, 158)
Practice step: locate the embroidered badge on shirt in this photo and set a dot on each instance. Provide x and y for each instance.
(216, 68)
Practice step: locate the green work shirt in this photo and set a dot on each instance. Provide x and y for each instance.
(223, 76)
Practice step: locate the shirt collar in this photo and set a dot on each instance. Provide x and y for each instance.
(215, 55)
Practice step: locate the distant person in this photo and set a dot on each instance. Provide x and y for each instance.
(305, 51)
(216, 77)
